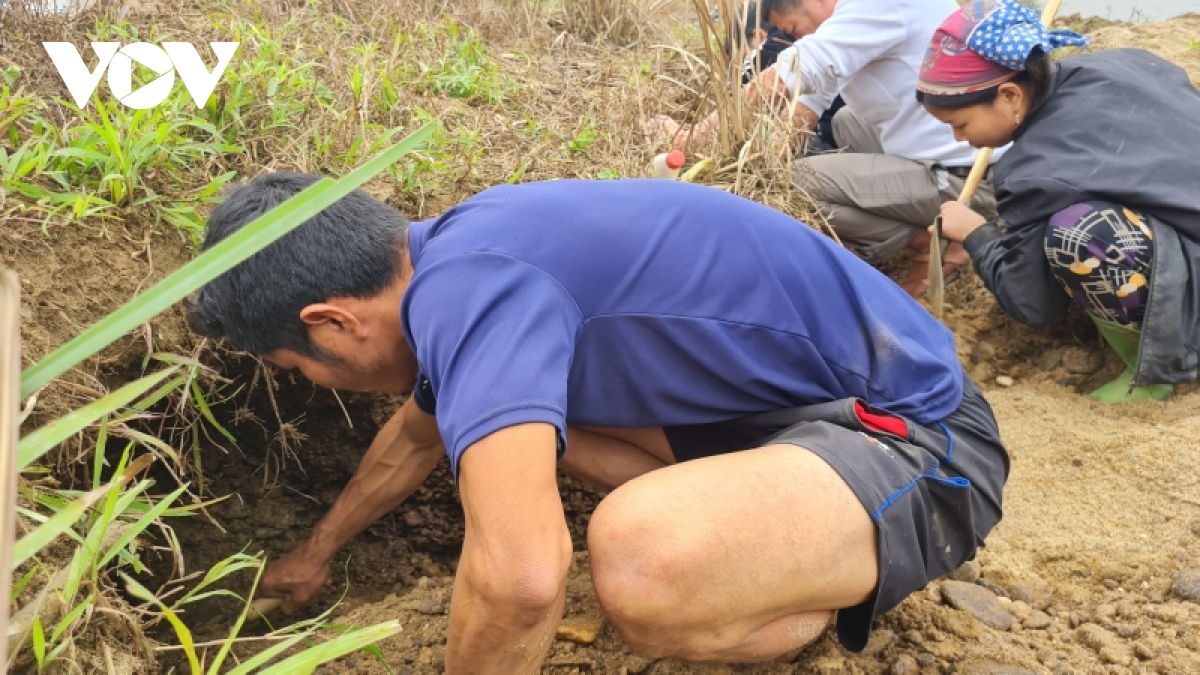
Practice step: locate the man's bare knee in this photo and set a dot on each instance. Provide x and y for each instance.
(638, 570)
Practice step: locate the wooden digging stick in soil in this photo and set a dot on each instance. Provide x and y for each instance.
(260, 608)
(10, 404)
(983, 159)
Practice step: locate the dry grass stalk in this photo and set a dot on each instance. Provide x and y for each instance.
(754, 143)
(10, 405)
(619, 21)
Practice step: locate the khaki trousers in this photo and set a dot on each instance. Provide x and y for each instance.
(878, 203)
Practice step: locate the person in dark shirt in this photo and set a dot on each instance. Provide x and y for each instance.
(782, 431)
(1098, 199)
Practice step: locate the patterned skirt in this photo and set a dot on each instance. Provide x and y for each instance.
(1102, 255)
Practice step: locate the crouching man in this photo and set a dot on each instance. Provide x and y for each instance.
(786, 435)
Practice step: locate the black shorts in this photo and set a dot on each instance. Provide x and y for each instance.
(934, 492)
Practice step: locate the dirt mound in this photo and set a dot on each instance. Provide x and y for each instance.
(1177, 40)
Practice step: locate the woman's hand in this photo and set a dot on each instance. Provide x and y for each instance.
(959, 221)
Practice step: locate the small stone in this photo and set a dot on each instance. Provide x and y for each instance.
(1022, 593)
(984, 352)
(636, 664)
(995, 588)
(412, 518)
(1105, 644)
(959, 624)
(580, 631)
(1037, 620)
(1111, 584)
(1004, 381)
(983, 372)
(1143, 652)
(1049, 360)
(967, 573)
(1196, 527)
(914, 637)
(1019, 609)
(978, 602)
(1105, 611)
(1115, 654)
(950, 650)
(1130, 631)
(1187, 584)
(925, 659)
(878, 641)
(1082, 361)
(905, 665)
(431, 607)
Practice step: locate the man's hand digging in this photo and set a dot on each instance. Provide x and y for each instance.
(296, 577)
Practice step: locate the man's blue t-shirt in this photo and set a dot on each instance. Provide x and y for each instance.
(650, 303)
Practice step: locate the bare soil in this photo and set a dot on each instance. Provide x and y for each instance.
(1102, 510)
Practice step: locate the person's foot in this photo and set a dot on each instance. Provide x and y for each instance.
(1125, 341)
(917, 283)
(1118, 390)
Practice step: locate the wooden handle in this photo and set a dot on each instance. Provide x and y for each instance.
(983, 158)
(263, 606)
(1051, 12)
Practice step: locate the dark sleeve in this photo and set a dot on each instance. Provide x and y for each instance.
(423, 395)
(769, 52)
(1014, 268)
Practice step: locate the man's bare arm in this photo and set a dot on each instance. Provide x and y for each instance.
(769, 89)
(403, 454)
(511, 585)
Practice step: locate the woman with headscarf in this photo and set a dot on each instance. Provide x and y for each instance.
(1098, 193)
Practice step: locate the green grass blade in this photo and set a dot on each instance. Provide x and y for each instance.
(151, 442)
(220, 258)
(181, 631)
(41, 441)
(307, 660)
(98, 453)
(202, 406)
(58, 523)
(70, 618)
(38, 641)
(247, 667)
(227, 645)
(140, 526)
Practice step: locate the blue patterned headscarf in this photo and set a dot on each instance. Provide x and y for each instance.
(1006, 32)
(984, 43)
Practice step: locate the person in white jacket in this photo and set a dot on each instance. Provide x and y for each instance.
(898, 163)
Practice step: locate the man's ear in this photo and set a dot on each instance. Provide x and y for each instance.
(331, 316)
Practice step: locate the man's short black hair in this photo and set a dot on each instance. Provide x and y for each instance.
(779, 7)
(744, 30)
(353, 248)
